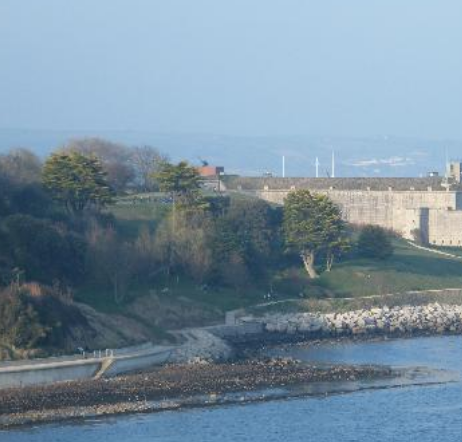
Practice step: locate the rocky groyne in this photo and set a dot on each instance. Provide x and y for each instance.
(433, 318)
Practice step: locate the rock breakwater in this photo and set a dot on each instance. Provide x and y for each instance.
(433, 318)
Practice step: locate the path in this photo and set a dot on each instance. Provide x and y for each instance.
(437, 252)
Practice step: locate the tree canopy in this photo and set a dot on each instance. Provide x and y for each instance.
(77, 181)
(115, 159)
(181, 181)
(312, 224)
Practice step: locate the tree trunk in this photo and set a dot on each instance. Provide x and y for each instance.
(330, 261)
(308, 261)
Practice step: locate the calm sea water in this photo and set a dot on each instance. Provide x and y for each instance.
(421, 414)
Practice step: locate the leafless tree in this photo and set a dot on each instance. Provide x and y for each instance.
(146, 161)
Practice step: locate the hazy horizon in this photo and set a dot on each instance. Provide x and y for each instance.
(264, 68)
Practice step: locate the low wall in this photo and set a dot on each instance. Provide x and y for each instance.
(137, 362)
(36, 374)
(52, 370)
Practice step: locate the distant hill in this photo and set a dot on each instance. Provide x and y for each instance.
(379, 156)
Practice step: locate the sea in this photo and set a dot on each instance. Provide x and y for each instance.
(421, 413)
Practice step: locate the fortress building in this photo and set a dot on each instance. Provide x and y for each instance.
(428, 208)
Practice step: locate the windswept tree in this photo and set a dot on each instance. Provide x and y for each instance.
(312, 225)
(77, 181)
(182, 182)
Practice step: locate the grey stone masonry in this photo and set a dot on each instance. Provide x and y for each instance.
(423, 208)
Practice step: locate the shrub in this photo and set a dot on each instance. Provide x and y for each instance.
(33, 316)
(42, 251)
(375, 242)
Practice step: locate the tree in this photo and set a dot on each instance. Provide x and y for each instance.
(186, 249)
(375, 242)
(335, 249)
(21, 166)
(115, 159)
(248, 228)
(5, 189)
(77, 181)
(147, 161)
(312, 224)
(110, 260)
(182, 182)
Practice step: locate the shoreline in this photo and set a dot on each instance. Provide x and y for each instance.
(180, 386)
(202, 372)
(432, 319)
(251, 378)
(284, 340)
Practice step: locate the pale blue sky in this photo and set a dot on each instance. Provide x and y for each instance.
(240, 67)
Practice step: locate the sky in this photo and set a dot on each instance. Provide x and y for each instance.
(235, 67)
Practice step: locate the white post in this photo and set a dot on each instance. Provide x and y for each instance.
(283, 166)
(317, 167)
(333, 164)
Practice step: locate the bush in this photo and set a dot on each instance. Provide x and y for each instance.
(42, 251)
(34, 316)
(375, 242)
(19, 322)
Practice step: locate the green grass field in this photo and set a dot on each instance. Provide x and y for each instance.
(408, 269)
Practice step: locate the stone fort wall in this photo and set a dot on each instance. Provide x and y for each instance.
(402, 205)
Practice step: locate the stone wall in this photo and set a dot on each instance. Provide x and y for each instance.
(256, 183)
(403, 205)
(400, 211)
(445, 228)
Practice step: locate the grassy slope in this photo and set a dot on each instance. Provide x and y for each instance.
(409, 269)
